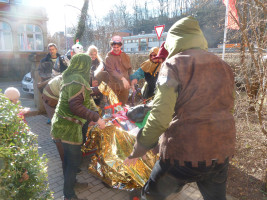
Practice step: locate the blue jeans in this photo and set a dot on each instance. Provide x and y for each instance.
(72, 161)
(166, 179)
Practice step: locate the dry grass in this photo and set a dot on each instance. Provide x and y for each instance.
(248, 167)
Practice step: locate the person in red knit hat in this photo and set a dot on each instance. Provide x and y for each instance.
(119, 68)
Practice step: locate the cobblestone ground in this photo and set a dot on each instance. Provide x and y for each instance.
(95, 190)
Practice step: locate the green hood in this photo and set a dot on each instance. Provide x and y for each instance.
(80, 66)
(185, 34)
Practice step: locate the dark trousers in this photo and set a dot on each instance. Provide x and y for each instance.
(60, 149)
(166, 179)
(84, 130)
(72, 160)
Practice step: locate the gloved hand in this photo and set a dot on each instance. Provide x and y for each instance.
(138, 150)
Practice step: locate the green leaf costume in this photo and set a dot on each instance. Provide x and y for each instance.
(75, 81)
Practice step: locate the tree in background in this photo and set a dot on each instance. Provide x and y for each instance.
(252, 15)
(88, 34)
(252, 70)
(82, 22)
(145, 15)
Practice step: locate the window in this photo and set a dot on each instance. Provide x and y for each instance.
(6, 43)
(143, 40)
(4, 1)
(30, 38)
(150, 39)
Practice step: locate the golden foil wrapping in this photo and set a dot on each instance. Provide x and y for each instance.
(107, 91)
(113, 146)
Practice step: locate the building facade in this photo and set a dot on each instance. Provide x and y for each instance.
(23, 33)
(143, 42)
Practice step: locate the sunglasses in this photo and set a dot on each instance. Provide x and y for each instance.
(153, 55)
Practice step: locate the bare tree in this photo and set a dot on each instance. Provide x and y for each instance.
(146, 11)
(252, 24)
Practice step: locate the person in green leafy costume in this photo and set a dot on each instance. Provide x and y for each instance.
(74, 108)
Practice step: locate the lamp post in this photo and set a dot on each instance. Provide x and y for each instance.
(66, 39)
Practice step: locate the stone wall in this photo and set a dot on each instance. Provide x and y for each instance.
(13, 66)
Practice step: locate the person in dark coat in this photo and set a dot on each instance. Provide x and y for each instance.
(46, 65)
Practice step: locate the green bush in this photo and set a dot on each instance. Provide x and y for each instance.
(23, 173)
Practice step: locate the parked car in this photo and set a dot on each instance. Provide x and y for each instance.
(27, 83)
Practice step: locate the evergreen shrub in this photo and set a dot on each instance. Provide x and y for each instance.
(23, 173)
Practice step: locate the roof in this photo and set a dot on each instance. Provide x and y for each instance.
(143, 36)
(125, 31)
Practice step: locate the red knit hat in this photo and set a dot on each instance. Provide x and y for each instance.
(116, 40)
(163, 53)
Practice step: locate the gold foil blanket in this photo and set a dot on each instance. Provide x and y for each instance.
(113, 145)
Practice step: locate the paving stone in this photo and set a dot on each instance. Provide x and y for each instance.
(85, 194)
(53, 185)
(95, 195)
(97, 187)
(104, 189)
(58, 195)
(121, 195)
(57, 189)
(107, 195)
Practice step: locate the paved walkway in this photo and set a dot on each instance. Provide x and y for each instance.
(95, 189)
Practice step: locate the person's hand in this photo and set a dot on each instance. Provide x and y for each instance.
(132, 161)
(94, 83)
(133, 83)
(101, 123)
(126, 84)
(25, 111)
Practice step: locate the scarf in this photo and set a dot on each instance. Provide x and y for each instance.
(112, 52)
(148, 66)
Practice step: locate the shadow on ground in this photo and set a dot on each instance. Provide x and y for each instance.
(243, 186)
